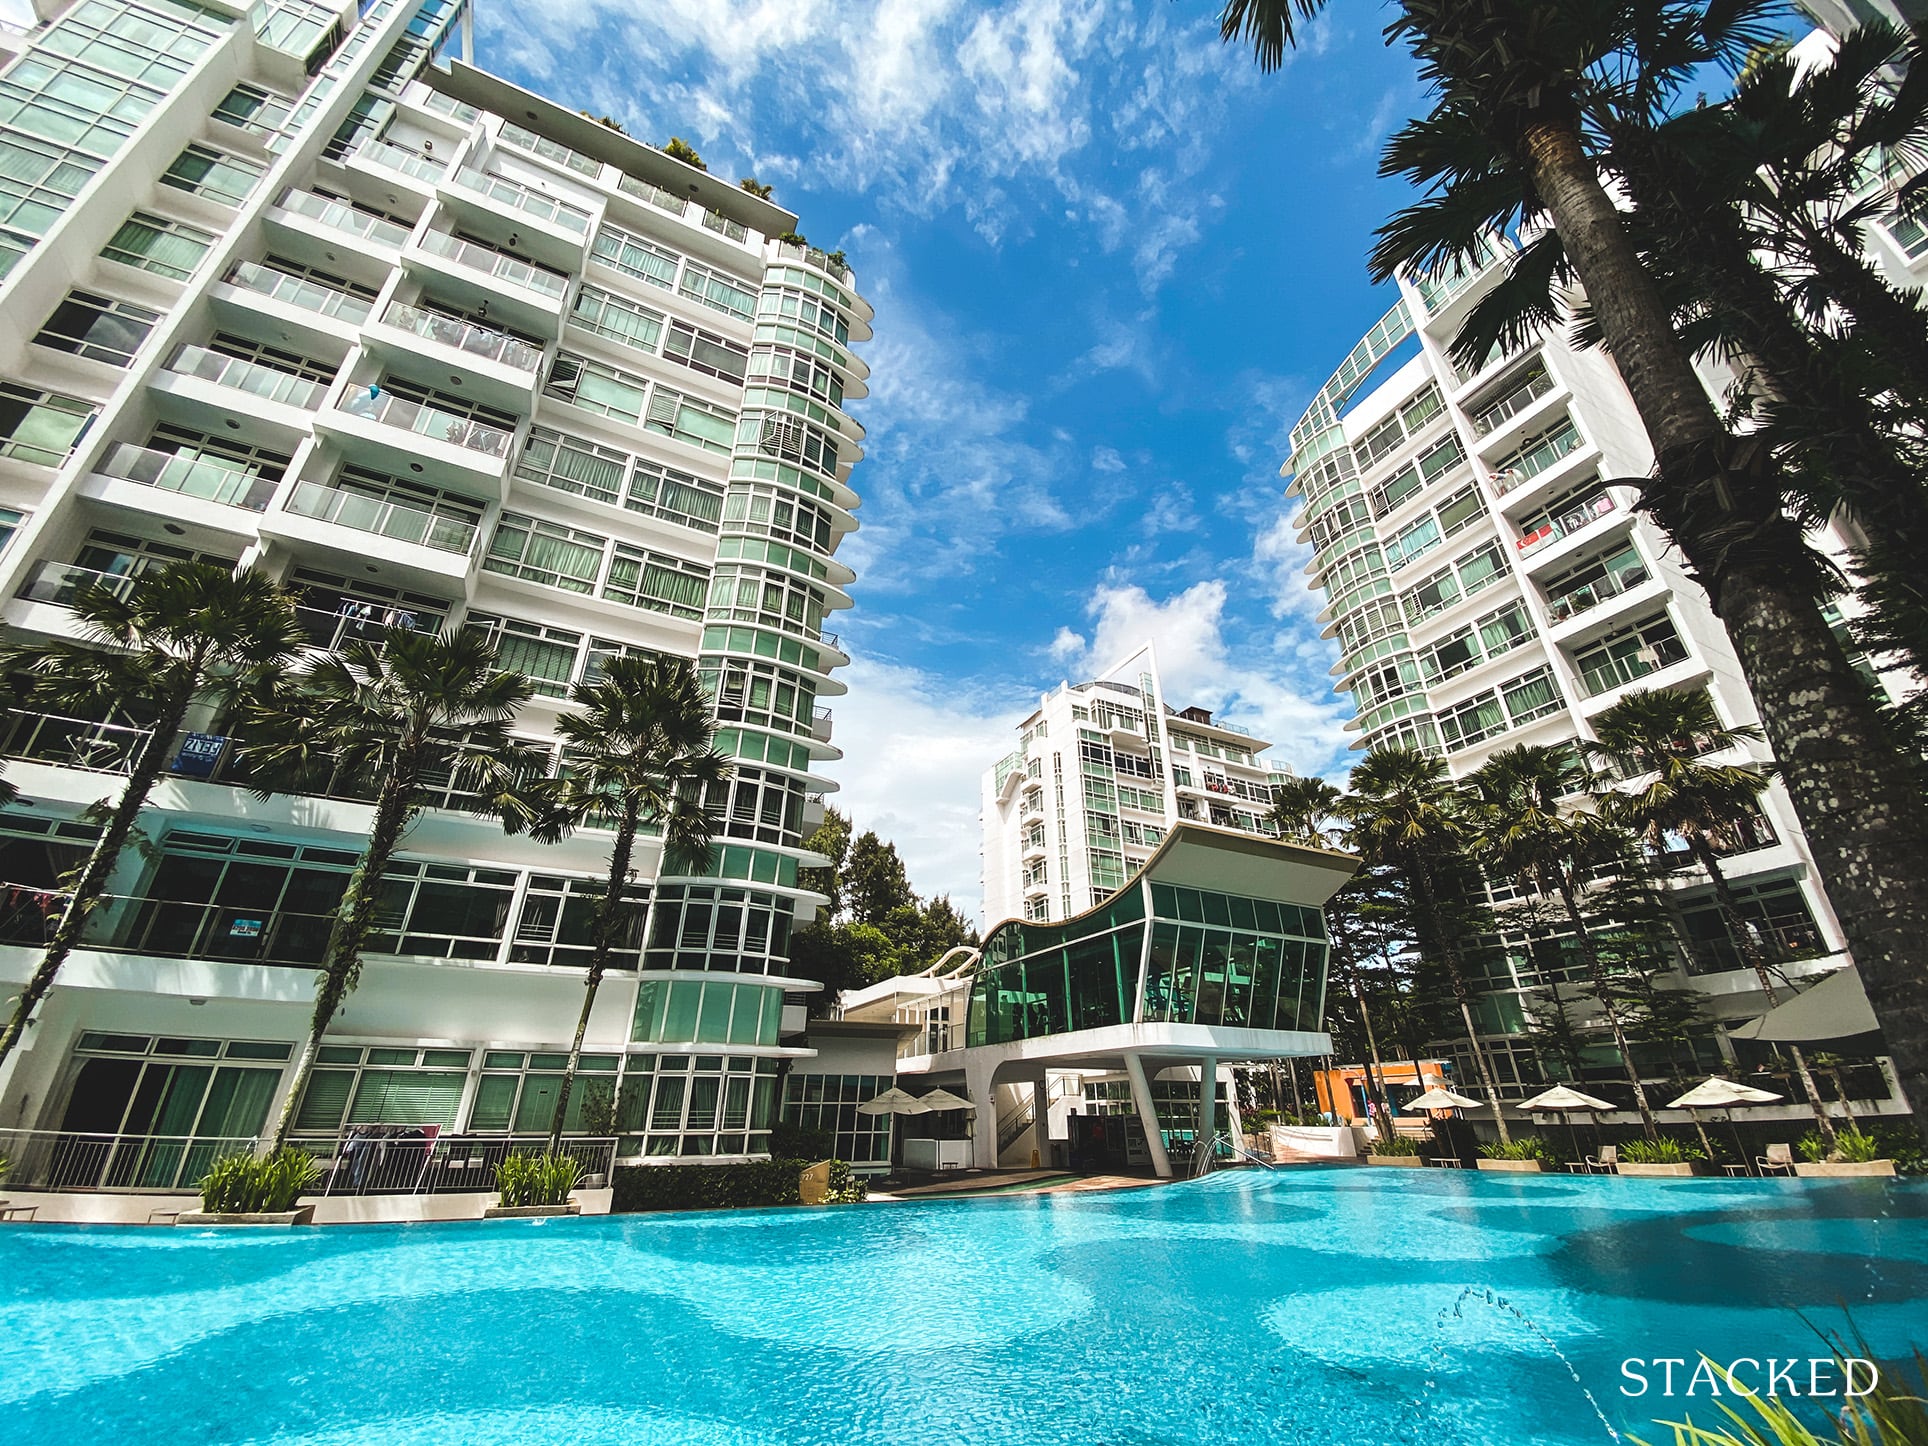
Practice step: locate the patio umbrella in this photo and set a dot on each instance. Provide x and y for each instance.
(1715, 1093)
(942, 1099)
(1441, 1098)
(1564, 1101)
(893, 1101)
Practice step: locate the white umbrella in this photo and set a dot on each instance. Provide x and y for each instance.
(1715, 1093)
(893, 1102)
(941, 1099)
(1441, 1098)
(1562, 1100)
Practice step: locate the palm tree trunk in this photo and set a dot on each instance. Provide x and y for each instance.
(354, 921)
(1375, 1072)
(1436, 935)
(1748, 942)
(1598, 973)
(1852, 788)
(91, 886)
(609, 913)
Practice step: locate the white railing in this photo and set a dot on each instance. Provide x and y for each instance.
(340, 216)
(131, 1164)
(521, 198)
(382, 517)
(394, 410)
(301, 292)
(495, 263)
(246, 376)
(424, 1160)
(228, 483)
(471, 337)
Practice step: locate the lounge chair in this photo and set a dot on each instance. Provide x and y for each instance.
(1606, 1162)
(1778, 1157)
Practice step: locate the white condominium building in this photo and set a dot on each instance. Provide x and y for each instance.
(1488, 584)
(282, 289)
(1102, 771)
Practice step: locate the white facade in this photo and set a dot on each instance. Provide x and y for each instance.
(1489, 584)
(1102, 771)
(430, 350)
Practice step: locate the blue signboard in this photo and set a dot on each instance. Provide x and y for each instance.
(200, 754)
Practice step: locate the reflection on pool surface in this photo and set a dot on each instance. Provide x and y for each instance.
(1303, 1306)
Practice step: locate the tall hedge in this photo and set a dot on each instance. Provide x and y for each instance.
(705, 1187)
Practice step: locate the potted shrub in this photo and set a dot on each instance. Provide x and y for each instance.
(1394, 1150)
(1856, 1154)
(1528, 1156)
(1665, 1156)
(257, 1190)
(535, 1185)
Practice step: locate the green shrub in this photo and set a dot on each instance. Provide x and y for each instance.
(1529, 1147)
(705, 1187)
(525, 1180)
(1895, 1413)
(1902, 1145)
(1395, 1145)
(795, 1142)
(6, 1167)
(847, 1187)
(1851, 1145)
(250, 1185)
(1664, 1151)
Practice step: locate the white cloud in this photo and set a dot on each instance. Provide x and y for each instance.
(1106, 459)
(927, 105)
(917, 748)
(1272, 686)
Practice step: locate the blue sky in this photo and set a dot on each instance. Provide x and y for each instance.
(1111, 263)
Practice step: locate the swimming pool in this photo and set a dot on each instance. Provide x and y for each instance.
(1301, 1306)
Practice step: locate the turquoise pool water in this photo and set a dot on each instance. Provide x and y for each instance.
(1302, 1307)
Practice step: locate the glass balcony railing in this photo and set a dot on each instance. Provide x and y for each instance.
(228, 483)
(655, 195)
(1489, 419)
(301, 292)
(246, 376)
(1567, 523)
(1590, 595)
(1536, 456)
(390, 157)
(394, 410)
(382, 517)
(471, 337)
(457, 110)
(1604, 674)
(521, 198)
(340, 216)
(495, 263)
(58, 582)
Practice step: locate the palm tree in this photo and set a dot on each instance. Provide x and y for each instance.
(407, 712)
(1525, 831)
(1519, 87)
(159, 645)
(1404, 812)
(1659, 740)
(638, 753)
(1307, 810)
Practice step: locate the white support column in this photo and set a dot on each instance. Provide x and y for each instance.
(1147, 1115)
(1207, 1100)
(977, 1080)
(1041, 1116)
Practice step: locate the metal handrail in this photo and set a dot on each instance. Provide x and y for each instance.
(496, 263)
(115, 1163)
(341, 216)
(1551, 446)
(58, 582)
(521, 198)
(487, 342)
(252, 377)
(410, 1160)
(383, 518)
(427, 420)
(1602, 589)
(191, 475)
